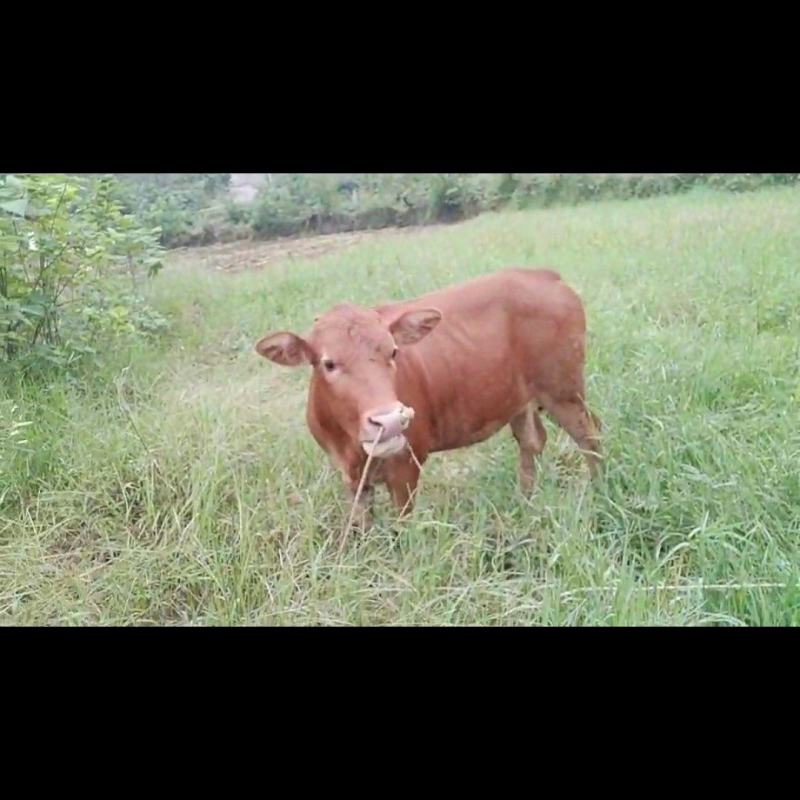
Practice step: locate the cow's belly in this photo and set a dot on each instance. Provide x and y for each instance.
(452, 440)
(469, 417)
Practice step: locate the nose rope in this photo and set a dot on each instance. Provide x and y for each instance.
(416, 488)
(360, 488)
(414, 456)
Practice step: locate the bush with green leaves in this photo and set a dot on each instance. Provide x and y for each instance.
(72, 269)
(178, 204)
(541, 190)
(196, 209)
(297, 203)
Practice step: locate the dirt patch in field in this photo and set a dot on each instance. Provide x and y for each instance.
(233, 257)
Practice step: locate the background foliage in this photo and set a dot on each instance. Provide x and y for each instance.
(196, 209)
(72, 270)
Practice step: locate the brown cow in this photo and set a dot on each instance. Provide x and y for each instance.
(446, 370)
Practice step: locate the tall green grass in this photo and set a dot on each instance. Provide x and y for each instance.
(179, 485)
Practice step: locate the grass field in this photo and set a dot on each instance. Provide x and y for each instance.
(179, 484)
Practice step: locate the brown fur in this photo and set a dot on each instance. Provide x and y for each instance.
(472, 359)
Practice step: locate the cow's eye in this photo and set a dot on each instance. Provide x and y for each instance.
(328, 364)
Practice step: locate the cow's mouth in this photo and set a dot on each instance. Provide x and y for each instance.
(387, 448)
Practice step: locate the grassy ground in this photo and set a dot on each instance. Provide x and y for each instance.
(180, 485)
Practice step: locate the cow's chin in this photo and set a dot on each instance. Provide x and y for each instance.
(391, 447)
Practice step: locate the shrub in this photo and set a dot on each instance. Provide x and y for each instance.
(306, 203)
(173, 203)
(71, 268)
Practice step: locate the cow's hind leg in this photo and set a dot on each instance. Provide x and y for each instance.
(531, 436)
(582, 425)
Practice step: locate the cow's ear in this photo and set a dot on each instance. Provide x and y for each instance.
(285, 348)
(415, 325)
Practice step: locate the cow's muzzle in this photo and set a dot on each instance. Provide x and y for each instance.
(389, 424)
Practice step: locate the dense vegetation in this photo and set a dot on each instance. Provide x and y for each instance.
(72, 270)
(196, 209)
(169, 478)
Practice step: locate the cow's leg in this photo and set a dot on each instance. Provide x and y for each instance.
(351, 473)
(531, 437)
(582, 425)
(402, 476)
(362, 518)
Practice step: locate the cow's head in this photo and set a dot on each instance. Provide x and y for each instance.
(353, 352)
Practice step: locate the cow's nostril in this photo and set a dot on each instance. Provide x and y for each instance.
(389, 422)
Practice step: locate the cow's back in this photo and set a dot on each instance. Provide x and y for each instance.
(504, 339)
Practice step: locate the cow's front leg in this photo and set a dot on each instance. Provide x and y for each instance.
(402, 476)
(352, 471)
(362, 514)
